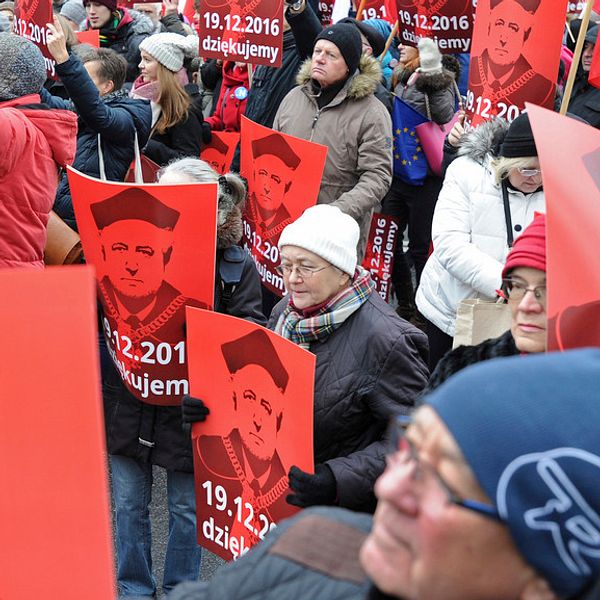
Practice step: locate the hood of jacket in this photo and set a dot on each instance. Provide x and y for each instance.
(360, 85)
(233, 78)
(59, 127)
(483, 141)
(229, 217)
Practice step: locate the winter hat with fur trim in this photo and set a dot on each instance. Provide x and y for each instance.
(326, 231)
(430, 57)
(22, 69)
(169, 49)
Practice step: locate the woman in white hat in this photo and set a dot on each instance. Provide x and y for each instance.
(176, 121)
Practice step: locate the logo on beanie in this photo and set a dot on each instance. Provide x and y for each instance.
(551, 492)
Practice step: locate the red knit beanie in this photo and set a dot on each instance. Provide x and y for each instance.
(529, 249)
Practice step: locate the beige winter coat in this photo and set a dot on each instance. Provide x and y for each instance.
(357, 130)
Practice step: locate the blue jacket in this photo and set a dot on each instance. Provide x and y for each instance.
(115, 117)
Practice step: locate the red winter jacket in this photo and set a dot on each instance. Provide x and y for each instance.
(34, 142)
(232, 99)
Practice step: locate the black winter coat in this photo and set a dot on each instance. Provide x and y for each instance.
(127, 419)
(372, 367)
(115, 117)
(463, 356)
(585, 100)
(181, 140)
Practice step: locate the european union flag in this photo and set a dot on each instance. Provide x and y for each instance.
(410, 163)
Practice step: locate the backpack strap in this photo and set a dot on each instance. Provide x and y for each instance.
(230, 267)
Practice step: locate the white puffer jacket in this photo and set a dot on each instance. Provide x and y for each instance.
(469, 234)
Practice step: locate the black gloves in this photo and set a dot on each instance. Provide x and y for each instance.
(193, 409)
(319, 488)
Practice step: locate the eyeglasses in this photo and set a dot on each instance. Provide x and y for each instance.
(403, 452)
(516, 290)
(529, 172)
(302, 272)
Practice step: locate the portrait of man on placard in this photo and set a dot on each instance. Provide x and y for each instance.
(501, 72)
(136, 237)
(274, 163)
(246, 461)
(215, 154)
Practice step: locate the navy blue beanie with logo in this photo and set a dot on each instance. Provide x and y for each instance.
(529, 429)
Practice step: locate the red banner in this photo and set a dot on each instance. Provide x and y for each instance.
(219, 153)
(55, 508)
(379, 9)
(448, 22)
(325, 12)
(594, 74)
(379, 255)
(249, 31)
(259, 389)
(31, 18)
(514, 59)
(284, 176)
(153, 247)
(573, 222)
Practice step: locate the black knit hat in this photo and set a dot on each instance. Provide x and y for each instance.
(347, 39)
(591, 34)
(375, 39)
(519, 141)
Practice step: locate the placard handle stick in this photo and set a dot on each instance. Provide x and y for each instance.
(576, 57)
(389, 41)
(361, 8)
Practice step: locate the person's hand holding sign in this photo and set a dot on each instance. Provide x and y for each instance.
(193, 410)
(310, 490)
(457, 131)
(57, 43)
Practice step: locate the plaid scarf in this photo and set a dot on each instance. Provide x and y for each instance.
(305, 330)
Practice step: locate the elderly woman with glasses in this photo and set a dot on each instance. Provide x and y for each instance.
(371, 364)
(490, 194)
(524, 288)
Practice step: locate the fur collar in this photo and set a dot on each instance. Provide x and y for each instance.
(229, 219)
(360, 85)
(483, 140)
(428, 83)
(142, 24)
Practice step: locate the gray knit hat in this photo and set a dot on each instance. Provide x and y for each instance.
(74, 11)
(22, 68)
(169, 49)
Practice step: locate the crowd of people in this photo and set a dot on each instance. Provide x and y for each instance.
(429, 482)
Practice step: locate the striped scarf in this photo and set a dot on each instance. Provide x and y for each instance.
(305, 330)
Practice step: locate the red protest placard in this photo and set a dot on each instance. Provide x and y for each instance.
(153, 247)
(219, 153)
(575, 7)
(380, 9)
(31, 18)
(259, 389)
(248, 31)
(594, 74)
(91, 37)
(325, 12)
(448, 22)
(149, 170)
(379, 255)
(573, 222)
(284, 176)
(515, 57)
(55, 507)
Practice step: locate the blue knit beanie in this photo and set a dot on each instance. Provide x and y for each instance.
(529, 429)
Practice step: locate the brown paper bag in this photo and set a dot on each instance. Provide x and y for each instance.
(478, 320)
(63, 246)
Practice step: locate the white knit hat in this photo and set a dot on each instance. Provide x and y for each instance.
(429, 56)
(326, 231)
(169, 49)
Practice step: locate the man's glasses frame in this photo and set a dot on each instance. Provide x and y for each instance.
(400, 444)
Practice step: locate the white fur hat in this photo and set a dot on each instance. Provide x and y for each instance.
(169, 49)
(326, 231)
(429, 56)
